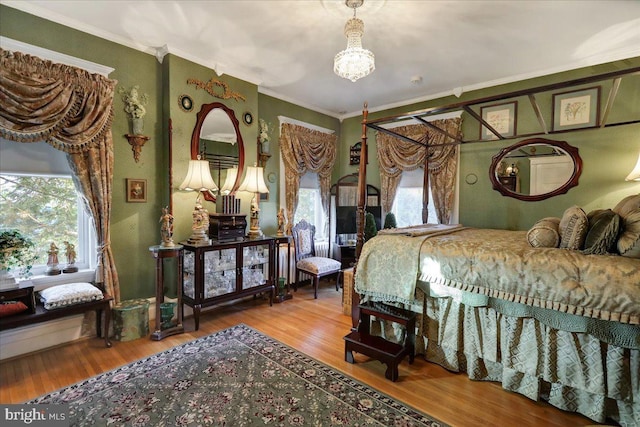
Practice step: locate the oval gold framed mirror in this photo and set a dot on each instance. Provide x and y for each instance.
(535, 169)
(216, 138)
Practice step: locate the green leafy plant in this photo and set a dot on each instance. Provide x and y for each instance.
(370, 229)
(390, 221)
(134, 101)
(16, 250)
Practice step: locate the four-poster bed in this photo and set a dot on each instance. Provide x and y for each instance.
(548, 323)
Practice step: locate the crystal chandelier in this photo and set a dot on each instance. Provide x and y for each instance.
(354, 62)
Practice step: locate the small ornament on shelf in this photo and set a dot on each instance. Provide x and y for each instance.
(166, 228)
(52, 261)
(70, 253)
(282, 222)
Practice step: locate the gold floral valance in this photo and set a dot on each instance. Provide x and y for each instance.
(396, 155)
(69, 108)
(303, 150)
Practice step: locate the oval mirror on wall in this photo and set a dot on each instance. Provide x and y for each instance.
(535, 169)
(216, 138)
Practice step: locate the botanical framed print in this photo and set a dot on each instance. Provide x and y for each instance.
(576, 109)
(136, 190)
(501, 117)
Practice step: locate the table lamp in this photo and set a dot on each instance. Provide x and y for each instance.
(254, 183)
(635, 173)
(229, 181)
(199, 179)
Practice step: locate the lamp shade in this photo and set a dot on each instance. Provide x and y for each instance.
(635, 173)
(254, 181)
(230, 180)
(198, 177)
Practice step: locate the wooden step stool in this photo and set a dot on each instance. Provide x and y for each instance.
(387, 352)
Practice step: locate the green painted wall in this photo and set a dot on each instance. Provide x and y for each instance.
(269, 109)
(608, 154)
(134, 225)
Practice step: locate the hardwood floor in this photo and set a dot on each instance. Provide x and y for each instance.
(315, 327)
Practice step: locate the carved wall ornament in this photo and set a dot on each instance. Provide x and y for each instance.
(210, 87)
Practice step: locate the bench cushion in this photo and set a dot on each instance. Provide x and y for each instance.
(69, 294)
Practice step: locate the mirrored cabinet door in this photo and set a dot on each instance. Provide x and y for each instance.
(229, 270)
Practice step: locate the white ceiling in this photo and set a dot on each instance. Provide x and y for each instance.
(286, 47)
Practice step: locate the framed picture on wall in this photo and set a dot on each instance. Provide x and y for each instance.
(576, 109)
(501, 117)
(136, 190)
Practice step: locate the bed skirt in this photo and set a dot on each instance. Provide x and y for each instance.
(573, 371)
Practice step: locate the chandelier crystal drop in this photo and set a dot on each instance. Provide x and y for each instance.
(354, 62)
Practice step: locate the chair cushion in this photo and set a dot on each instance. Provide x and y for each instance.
(304, 239)
(318, 265)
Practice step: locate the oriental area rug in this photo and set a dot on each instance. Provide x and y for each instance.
(236, 377)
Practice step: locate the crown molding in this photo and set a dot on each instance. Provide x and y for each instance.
(53, 56)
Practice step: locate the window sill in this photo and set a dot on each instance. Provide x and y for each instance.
(41, 282)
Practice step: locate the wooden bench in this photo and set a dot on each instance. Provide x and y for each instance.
(387, 352)
(36, 312)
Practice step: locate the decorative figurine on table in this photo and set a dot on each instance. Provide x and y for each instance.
(200, 225)
(70, 253)
(281, 222)
(52, 261)
(166, 228)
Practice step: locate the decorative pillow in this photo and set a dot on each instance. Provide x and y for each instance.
(629, 239)
(8, 308)
(304, 236)
(573, 228)
(604, 225)
(544, 233)
(318, 265)
(69, 294)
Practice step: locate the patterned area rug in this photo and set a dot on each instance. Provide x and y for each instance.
(236, 377)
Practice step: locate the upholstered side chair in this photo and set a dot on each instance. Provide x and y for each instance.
(306, 259)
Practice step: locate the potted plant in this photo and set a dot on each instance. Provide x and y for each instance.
(370, 228)
(16, 251)
(134, 103)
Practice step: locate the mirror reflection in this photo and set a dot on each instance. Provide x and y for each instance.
(217, 139)
(535, 169)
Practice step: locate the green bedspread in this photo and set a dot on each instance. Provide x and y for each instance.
(501, 264)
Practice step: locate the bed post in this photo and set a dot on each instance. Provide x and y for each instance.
(425, 187)
(362, 204)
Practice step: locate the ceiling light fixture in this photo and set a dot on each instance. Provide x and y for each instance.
(354, 62)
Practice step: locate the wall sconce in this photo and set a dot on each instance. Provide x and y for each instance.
(635, 173)
(254, 183)
(199, 179)
(136, 142)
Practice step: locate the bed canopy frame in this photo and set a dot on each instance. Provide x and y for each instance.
(422, 117)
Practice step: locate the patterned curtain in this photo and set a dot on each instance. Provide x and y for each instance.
(303, 150)
(396, 155)
(71, 110)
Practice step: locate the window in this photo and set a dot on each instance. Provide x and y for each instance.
(407, 206)
(310, 204)
(43, 204)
